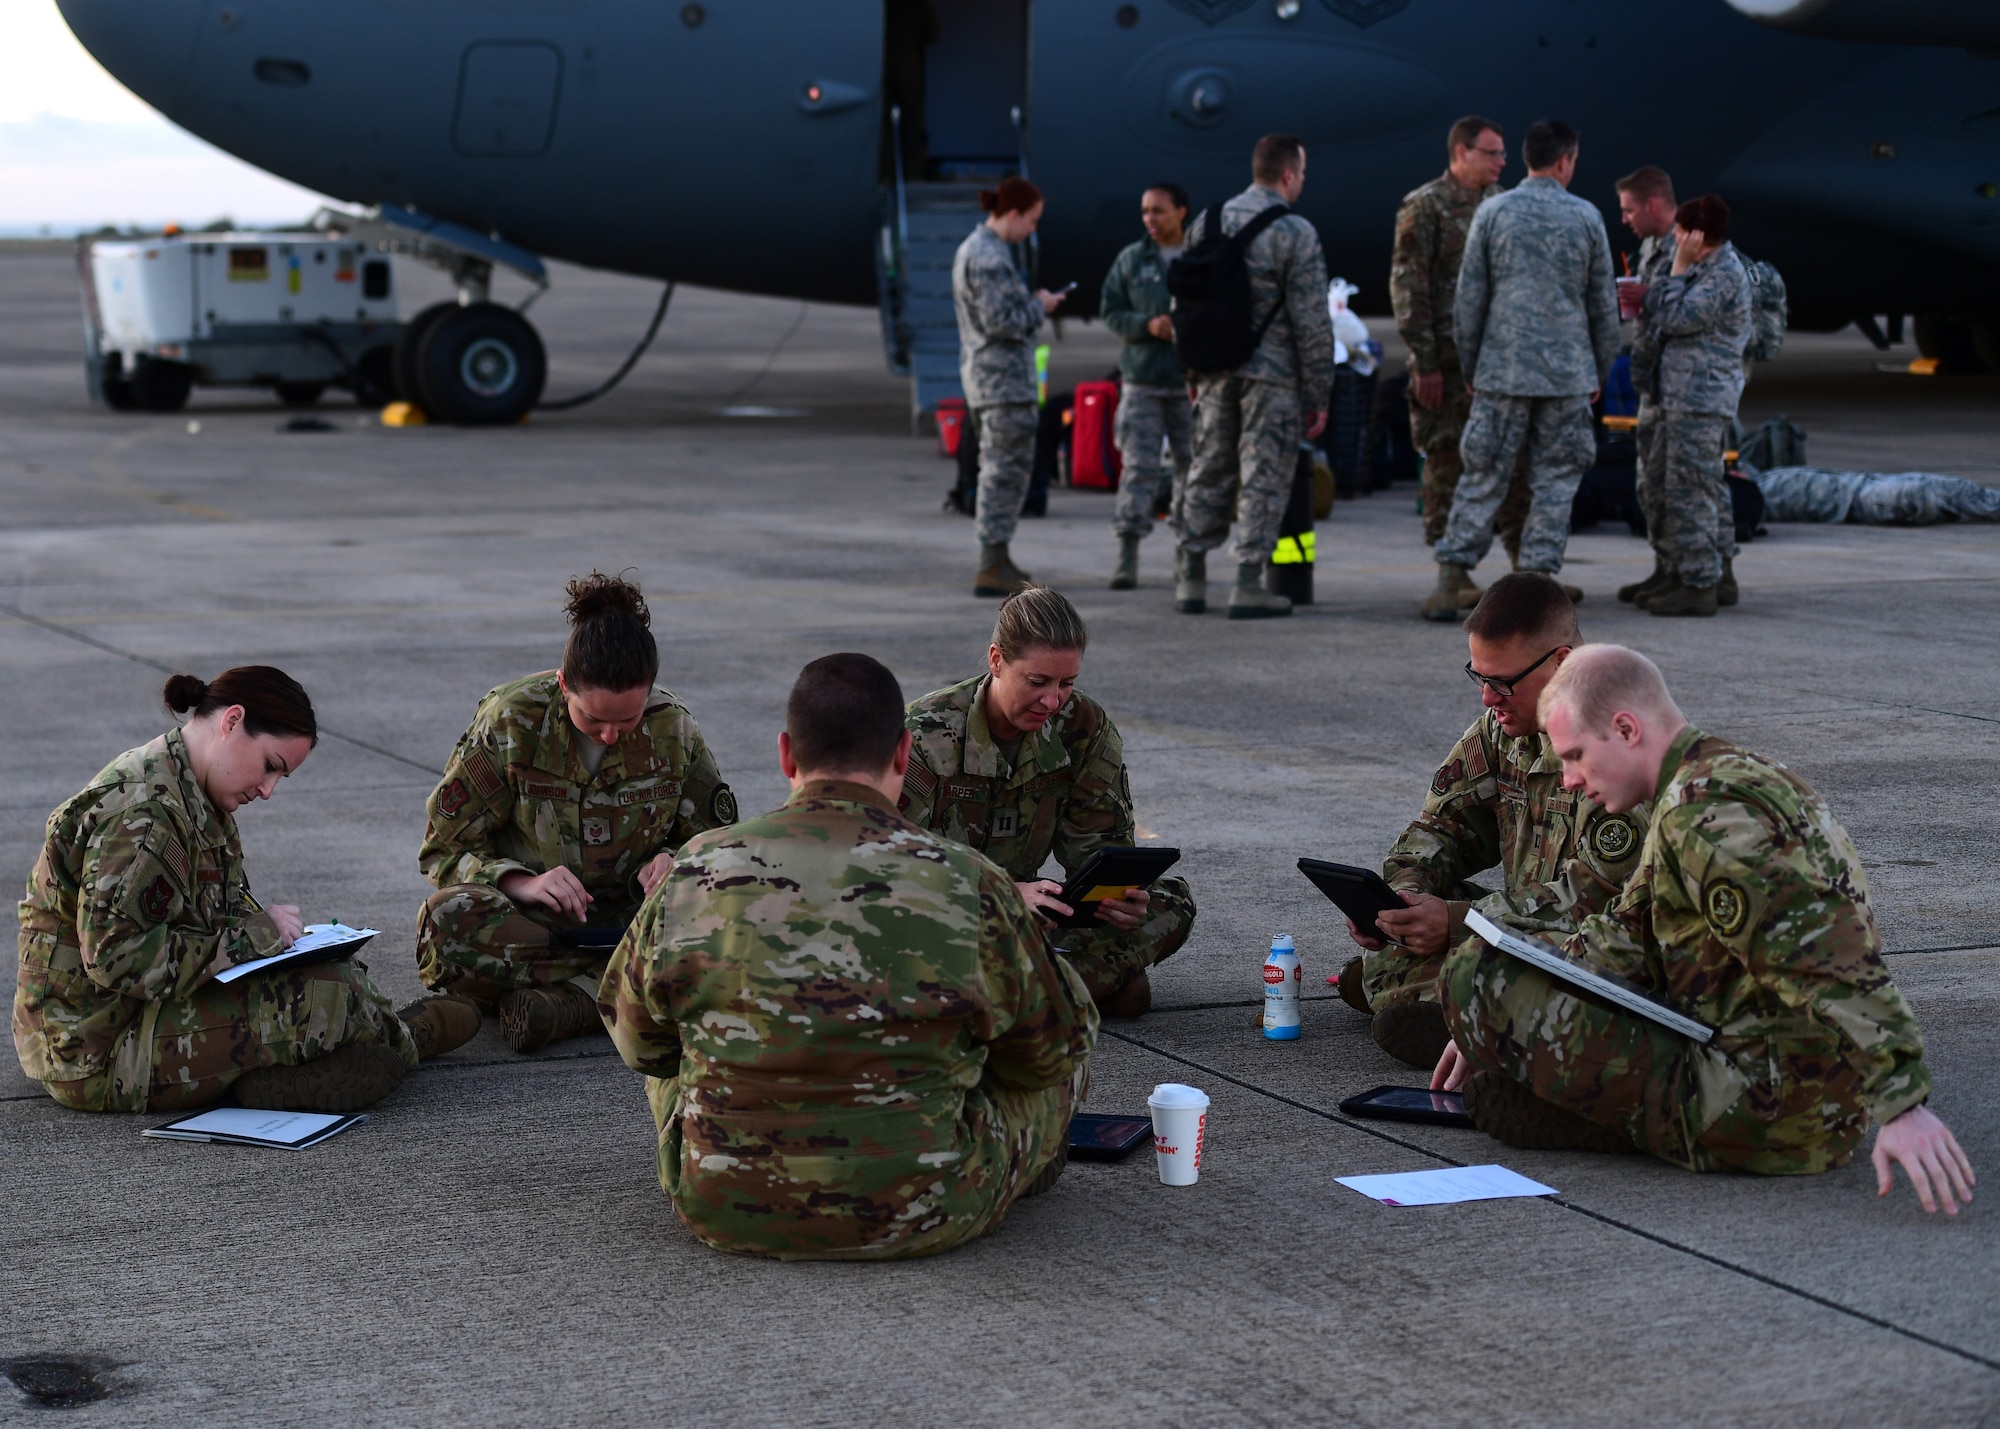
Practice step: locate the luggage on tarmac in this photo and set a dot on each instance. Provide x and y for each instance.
(951, 421)
(1391, 453)
(1216, 328)
(1051, 452)
(1770, 310)
(1779, 442)
(1349, 412)
(1290, 573)
(1093, 455)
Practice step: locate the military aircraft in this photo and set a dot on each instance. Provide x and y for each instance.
(832, 149)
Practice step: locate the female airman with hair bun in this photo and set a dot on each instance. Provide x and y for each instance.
(559, 811)
(139, 900)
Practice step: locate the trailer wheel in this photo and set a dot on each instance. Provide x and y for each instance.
(481, 366)
(161, 386)
(300, 394)
(409, 348)
(115, 385)
(374, 381)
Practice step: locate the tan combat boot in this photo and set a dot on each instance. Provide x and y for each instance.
(1190, 581)
(1442, 603)
(1658, 580)
(440, 1023)
(1248, 600)
(1678, 599)
(346, 1079)
(1352, 992)
(1050, 1173)
(1508, 1112)
(533, 1017)
(1411, 1032)
(998, 575)
(1726, 592)
(1133, 999)
(1468, 593)
(1125, 575)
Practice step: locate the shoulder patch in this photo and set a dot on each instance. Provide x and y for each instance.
(1612, 838)
(918, 779)
(451, 799)
(176, 858)
(722, 805)
(158, 897)
(1447, 775)
(485, 778)
(1725, 906)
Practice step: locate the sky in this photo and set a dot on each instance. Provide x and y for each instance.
(78, 149)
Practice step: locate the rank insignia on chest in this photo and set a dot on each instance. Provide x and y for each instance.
(597, 831)
(451, 798)
(158, 898)
(1006, 823)
(1726, 907)
(1447, 776)
(1613, 838)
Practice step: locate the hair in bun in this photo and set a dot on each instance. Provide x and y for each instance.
(611, 644)
(273, 702)
(1015, 195)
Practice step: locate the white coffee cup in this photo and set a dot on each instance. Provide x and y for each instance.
(1180, 1125)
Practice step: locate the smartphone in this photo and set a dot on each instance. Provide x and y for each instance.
(1093, 1137)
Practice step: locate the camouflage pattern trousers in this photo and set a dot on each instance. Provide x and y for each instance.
(1106, 959)
(1248, 429)
(188, 1051)
(474, 940)
(1560, 447)
(1006, 466)
(1776, 1107)
(1149, 419)
(1435, 431)
(1683, 491)
(1016, 1133)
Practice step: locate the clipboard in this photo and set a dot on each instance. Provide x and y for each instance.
(1613, 990)
(1111, 872)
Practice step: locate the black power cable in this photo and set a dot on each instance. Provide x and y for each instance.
(652, 331)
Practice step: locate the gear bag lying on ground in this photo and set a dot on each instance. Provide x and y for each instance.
(1215, 327)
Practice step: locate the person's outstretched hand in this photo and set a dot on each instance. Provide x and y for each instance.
(1451, 1071)
(1929, 1155)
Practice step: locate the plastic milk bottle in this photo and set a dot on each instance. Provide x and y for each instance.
(1282, 978)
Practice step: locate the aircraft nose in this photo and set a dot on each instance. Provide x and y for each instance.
(148, 45)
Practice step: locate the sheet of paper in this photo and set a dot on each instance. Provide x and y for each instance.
(1445, 1187)
(316, 936)
(287, 1128)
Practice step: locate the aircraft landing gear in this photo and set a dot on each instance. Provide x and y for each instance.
(1960, 344)
(299, 394)
(476, 365)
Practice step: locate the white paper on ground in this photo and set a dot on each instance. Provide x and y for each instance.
(316, 936)
(1445, 1187)
(285, 1128)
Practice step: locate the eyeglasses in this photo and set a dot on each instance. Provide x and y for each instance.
(1503, 685)
(1500, 154)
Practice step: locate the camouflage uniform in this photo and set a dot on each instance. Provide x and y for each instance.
(998, 318)
(858, 1044)
(1656, 261)
(1423, 285)
(1749, 912)
(1247, 423)
(1498, 800)
(1537, 328)
(517, 795)
(1066, 793)
(1152, 399)
(137, 893)
(1688, 361)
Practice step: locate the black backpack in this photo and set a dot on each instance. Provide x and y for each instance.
(1214, 325)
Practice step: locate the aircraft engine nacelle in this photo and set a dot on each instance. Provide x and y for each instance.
(1974, 24)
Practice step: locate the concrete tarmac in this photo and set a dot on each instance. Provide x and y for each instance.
(492, 1246)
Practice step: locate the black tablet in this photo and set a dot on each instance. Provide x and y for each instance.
(586, 940)
(1360, 892)
(1111, 873)
(1410, 1104)
(1107, 1138)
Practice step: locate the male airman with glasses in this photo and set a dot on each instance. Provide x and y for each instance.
(1497, 801)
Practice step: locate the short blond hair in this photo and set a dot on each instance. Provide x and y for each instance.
(1598, 681)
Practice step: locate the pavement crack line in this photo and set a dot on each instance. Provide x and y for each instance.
(1666, 1242)
(94, 643)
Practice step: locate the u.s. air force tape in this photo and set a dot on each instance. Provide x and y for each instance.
(1726, 906)
(1613, 837)
(722, 805)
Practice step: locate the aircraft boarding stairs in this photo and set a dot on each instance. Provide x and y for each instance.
(920, 236)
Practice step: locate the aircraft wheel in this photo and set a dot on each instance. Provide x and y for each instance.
(374, 381)
(482, 365)
(409, 346)
(161, 386)
(1957, 343)
(300, 394)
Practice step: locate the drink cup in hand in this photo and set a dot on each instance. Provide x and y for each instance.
(1631, 297)
(1180, 1126)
